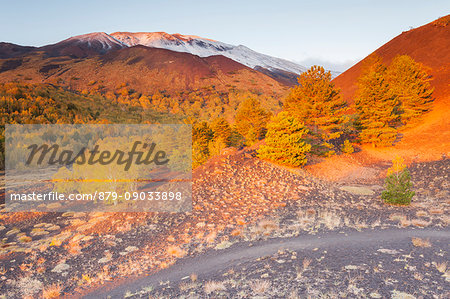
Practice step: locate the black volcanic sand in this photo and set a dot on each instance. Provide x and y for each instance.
(376, 264)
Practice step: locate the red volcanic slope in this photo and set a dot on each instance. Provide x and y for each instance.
(429, 45)
(144, 69)
(430, 139)
(427, 141)
(8, 50)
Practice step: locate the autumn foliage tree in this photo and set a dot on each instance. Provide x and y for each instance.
(317, 103)
(201, 137)
(221, 135)
(285, 142)
(377, 106)
(251, 120)
(410, 82)
(222, 130)
(389, 97)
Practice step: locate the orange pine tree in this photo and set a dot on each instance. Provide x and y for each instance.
(251, 120)
(377, 106)
(285, 142)
(410, 82)
(317, 103)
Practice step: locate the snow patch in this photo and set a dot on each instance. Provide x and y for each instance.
(204, 47)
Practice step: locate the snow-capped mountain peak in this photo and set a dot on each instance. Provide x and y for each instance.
(103, 39)
(204, 47)
(101, 43)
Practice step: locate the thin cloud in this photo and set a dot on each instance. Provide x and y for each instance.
(338, 66)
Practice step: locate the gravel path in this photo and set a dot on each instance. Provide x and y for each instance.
(216, 260)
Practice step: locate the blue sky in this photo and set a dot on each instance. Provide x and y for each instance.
(332, 33)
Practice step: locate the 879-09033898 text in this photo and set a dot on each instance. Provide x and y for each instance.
(103, 195)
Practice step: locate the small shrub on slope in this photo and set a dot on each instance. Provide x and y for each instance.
(398, 184)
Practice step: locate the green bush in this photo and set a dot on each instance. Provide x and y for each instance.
(398, 185)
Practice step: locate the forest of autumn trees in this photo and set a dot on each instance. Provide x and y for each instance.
(377, 106)
(47, 104)
(388, 97)
(250, 126)
(315, 118)
(319, 105)
(312, 119)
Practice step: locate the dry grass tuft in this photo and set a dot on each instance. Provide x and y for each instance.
(193, 277)
(436, 211)
(360, 224)
(176, 251)
(310, 212)
(186, 286)
(446, 219)
(306, 263)
(240, 221)
(53, 291)
(418, 276)
(74, 248)
(236, 232)
(268, 225)
(24, 239)
(214, 286)
(330, 219)
(376, 223)
(200, 225)
(303, 268)
(260, 287)
(211, 237)
(421, 213)
(441, 267)
(420, 222)
(418, 242)
(401, 219)
(104, 275)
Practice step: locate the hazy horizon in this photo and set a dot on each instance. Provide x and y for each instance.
(332, 34)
